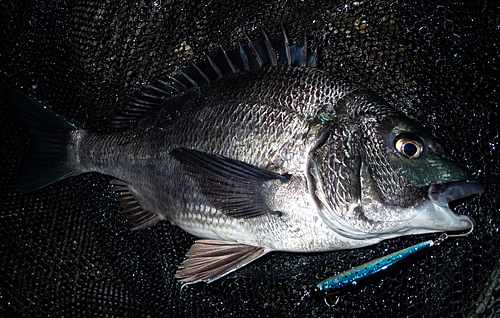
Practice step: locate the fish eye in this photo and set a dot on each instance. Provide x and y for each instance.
(410, 147)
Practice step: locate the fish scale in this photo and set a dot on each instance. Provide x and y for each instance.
(254, 153)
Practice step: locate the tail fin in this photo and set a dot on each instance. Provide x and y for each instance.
(46, 161)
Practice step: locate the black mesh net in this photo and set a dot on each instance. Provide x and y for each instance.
(66, 250)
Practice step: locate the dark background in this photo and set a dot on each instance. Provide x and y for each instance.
(66, 250)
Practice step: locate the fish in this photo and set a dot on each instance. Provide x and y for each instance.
(257, 150)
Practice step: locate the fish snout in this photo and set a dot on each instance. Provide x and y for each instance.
(443, 194)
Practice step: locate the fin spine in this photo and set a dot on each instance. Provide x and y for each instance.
(252, 56)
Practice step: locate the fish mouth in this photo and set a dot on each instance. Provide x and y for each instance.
(439, 215)
(443, 194)
(434, 215)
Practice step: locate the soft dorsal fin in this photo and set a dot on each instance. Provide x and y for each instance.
(252, 55)
(139, 217)
(230, 185)
(208, 260)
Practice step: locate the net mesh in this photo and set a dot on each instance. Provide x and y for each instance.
(66, 250)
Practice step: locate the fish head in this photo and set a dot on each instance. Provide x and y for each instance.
(386, 176)
(407, 178)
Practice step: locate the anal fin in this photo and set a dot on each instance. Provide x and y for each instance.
(209, 260)
(138, 216)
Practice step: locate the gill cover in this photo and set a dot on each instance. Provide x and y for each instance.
(333, 179)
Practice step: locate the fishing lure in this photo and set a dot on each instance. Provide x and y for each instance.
(356, 275)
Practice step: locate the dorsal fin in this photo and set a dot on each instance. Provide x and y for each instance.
(244, 57)
(233, 69)
(303, 57)
(283, 49)
(270, 49)
(252, 55)
(214, 66)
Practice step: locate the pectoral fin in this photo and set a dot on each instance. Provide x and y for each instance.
(209, 260)
(232, 186)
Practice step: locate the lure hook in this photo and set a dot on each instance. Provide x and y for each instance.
(307, 293)
(336, 302)
(464, 234)
(444, 236)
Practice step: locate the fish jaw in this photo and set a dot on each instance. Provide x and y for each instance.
(431, 216)
(436, 214)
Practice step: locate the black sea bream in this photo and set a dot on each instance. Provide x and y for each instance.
(257, 150)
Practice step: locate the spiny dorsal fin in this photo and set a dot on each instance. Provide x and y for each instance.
(233, 68)
(303, 57)
(208, 260)
(283, 48)
(139, 217)
(253, 55)
(270, 49)
(214, 66)
(244, 57)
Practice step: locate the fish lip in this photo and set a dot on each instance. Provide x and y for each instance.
(443, 194)
(434, 215)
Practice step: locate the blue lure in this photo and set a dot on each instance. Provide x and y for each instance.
(356, 275)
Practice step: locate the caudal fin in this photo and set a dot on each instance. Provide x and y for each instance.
(46, 161)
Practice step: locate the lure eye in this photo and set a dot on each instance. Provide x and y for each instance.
(409, 147)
